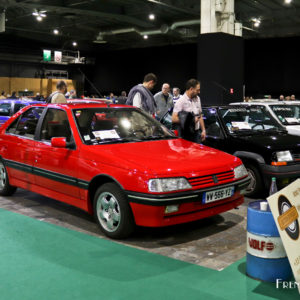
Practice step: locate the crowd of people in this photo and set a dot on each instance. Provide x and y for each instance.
(61, 94)
(269, 97)
(185, 108)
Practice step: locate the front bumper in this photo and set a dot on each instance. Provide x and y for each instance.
(283, 174)
(149, 209)
(181, 197)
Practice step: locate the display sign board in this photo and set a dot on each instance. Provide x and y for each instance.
(285, 207)
(47, 55)
(57, 56)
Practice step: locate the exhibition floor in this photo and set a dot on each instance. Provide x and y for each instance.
(40, 260)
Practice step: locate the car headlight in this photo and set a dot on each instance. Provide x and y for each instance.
(240, 171)
(159, 185)
(284, 156)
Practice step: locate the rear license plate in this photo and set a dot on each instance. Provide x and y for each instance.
(216, 195)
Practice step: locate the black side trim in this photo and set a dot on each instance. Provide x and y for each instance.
(181, 197)
(47, 174)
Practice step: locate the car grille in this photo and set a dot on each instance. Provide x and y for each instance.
(296, 157)
(213, 179)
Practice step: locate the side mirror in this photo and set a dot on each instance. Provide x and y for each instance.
(176, 132)
(59, 142)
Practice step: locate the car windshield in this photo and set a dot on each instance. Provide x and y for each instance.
(111, 125)
(248, 119)
(5, 109)
(287, 114)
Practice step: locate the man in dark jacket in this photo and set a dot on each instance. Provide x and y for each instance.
(140, 95)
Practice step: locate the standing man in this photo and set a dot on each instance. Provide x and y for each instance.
(140, 95)
(163, 100)
(59, 95)
(190, 102)
(176, 94)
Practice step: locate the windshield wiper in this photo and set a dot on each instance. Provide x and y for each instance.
(159, 137)
(119, 140)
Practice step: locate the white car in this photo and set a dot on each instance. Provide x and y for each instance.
(286, 113)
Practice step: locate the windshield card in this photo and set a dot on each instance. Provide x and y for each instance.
(106, 134)
(241, 125)
(292, 120)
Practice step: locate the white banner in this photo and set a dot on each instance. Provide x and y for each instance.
(58, 56)
(285, 207)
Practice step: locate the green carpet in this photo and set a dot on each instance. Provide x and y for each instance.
(44, 261)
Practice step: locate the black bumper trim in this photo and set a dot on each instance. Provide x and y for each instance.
(181, 197)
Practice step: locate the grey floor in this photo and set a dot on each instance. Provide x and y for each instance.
(215, 242)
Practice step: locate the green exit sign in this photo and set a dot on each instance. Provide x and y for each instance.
(47, 55)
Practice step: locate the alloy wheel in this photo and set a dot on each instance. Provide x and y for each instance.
(108, 211)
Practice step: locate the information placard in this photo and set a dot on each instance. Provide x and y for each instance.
(285, 207)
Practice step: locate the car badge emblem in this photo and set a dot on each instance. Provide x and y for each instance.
(215, 179)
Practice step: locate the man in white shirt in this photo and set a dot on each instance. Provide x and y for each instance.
(190, 102)
(176, 94)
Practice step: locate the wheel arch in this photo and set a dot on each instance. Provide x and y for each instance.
(252, 158)
(94, 184)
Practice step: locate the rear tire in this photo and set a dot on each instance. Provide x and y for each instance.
(255, 186)
(5, 188)
(112, 211)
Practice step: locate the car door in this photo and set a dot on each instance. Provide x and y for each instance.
(19, 145)
(214, 132)
(56, 168)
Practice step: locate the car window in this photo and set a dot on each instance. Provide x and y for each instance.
(252, 118)
(109, 125)
(5, 109)
(212, 125)
(55, 124)
(17, 107)
(26, 124)
(287, 114)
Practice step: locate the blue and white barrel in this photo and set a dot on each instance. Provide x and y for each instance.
(266, 257)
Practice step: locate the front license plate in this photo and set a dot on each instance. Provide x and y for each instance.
(217, 194)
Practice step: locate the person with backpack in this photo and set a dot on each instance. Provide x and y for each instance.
(59, 95)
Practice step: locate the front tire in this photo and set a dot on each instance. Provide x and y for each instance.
(112, 211)
(5, 188)
(255, 186)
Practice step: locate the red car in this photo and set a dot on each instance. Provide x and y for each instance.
(118, 163)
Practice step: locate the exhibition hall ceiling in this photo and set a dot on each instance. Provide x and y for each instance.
(125, 24)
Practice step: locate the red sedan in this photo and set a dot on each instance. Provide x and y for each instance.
(117, 163)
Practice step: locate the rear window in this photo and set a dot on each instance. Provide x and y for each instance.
(5, 109)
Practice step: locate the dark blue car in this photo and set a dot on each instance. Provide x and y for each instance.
(8, 107)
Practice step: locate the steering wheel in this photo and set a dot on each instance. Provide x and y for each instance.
(138, 131)
(258, 124)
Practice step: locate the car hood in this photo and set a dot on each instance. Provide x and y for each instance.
(271, 142)
(169, 157)
(293, 129)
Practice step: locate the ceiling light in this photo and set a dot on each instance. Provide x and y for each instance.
(145, 37)
(55, 31)
(287, 1)
(74, 44)
(256, 22)
(39, 14)
(151, 16)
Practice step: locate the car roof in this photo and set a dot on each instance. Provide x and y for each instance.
(81, 105)
(267, 103)
(20, 101)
